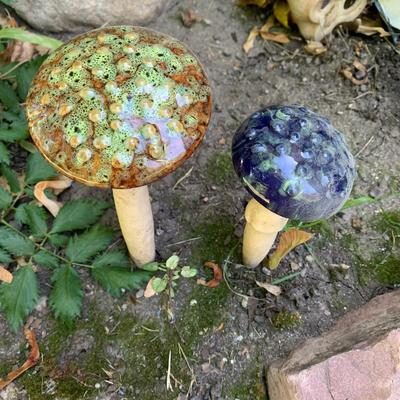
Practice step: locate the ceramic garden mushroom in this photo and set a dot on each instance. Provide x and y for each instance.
(296, 165)
(120, 107)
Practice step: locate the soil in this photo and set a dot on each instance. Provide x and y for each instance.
(221, 340)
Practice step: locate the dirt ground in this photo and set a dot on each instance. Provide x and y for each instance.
(222, 339)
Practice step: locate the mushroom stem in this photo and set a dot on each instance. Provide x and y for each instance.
(260, 232)
(136, 221)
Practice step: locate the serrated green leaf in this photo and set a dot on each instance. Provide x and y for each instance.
(81, 248)
(112, 259)
(5, 199)
(66, 296)
(25, 73)
(151, 266)
(58, 240)
(116, 279)
(159, 284)
(5, 258)
(78, 214)
(38, 169)
(172, 262)
(20, 214)
(15, 244)
(8, 97)
(188, 272)
(46, 259)
(36, 219)
(17, 130)
(4, 154)
(18, 298)
(7, 2)
(11, 177)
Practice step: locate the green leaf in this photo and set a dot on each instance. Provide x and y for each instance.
(159, 284)
(116, 279)
(58, 240)
(11, 177)
(81, 248)
(17, 130)
(7, 2)
(20, 214)
(36, 219)
(188, 272)
(8, 97)
(15, 244)
(359, 201)
(151, 266)
(66, 297)
(5, 258)
(18, 298)
(112, 259)
(26, 36)
(38, 169)
(5, 199)
(46, 259)
(25, 73)
(4, 154)
(78, 214)
(172, 262)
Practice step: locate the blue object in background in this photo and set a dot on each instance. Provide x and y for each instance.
(294, 162)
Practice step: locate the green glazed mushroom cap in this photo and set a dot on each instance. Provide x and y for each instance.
(119, 107)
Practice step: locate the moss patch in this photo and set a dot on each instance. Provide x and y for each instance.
(250, 386)
(285, 320)
(220, 169)
(216, 232)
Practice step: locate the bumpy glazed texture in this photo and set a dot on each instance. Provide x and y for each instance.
(294, 162)
(119, 107)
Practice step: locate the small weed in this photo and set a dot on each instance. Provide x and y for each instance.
(220, 169)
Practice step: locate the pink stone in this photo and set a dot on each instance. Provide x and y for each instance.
(358, 359)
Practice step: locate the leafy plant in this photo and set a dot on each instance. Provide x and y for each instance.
(167, 283)
(31, 239)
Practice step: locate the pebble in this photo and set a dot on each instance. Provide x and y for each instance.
(363, 88)
(360, 74)
(97, 386)
(139, 293)
(266, 271)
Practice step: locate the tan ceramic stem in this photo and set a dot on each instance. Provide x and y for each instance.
(136, 221)
(260, 232)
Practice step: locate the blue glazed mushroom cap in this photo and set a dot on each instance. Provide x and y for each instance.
(294, 162)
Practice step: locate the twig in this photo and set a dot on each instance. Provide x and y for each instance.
(184, 241)
(365, 146)
(182, 178)
(169, 386)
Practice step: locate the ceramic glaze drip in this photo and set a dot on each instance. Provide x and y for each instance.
(119, 107)
(294, 162)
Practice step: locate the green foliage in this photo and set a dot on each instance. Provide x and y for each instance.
(36, 218)
(11, 177)
(24, 75)
(81, 248)
(46, 259)
(78, 214)
(220, 169)
(66, 296)
(18, 298)
(172, 272)
(15, 243)
(5, 199)
(38, 169)
(26, 36)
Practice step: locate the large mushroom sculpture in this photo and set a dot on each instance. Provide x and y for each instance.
(120, 107)
(296, 165)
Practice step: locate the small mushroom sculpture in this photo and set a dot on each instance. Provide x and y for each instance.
(296, 165)
(120, 107)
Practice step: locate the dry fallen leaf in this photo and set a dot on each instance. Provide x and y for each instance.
(217, 275)
(249, 43)
(275, 37)
(58, 185)
(288, 241)
(281, 12)
(273, 289)
(189, 17)
(33, 358)
(315, 48)
(348, 74)
(149, 291)
(369, 27)
(5, 276)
